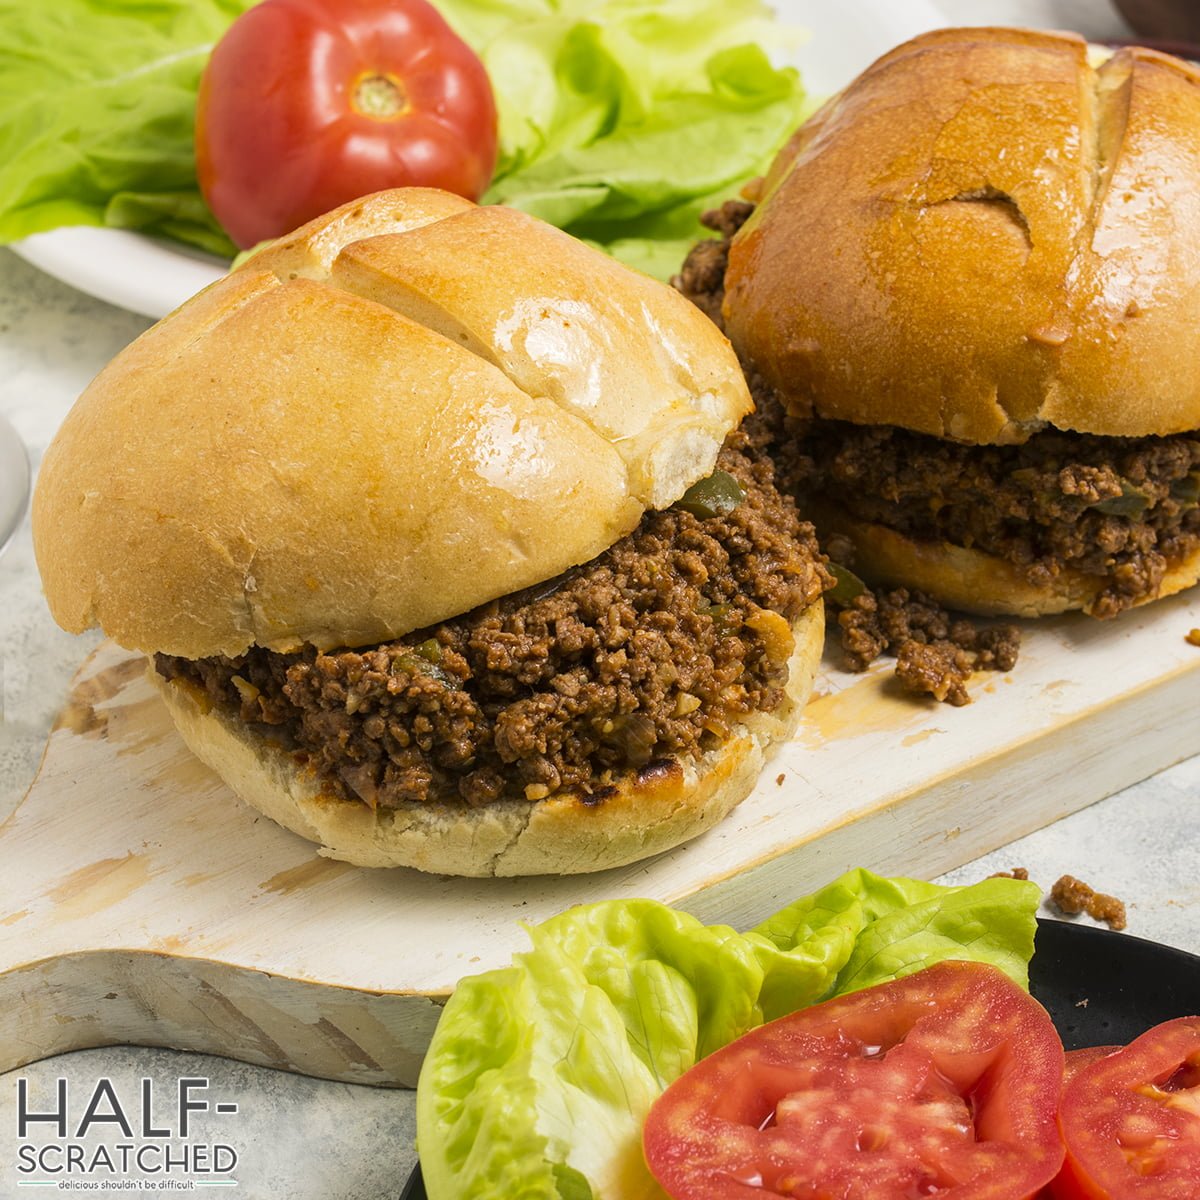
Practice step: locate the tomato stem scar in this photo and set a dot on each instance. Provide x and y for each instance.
(380, 96)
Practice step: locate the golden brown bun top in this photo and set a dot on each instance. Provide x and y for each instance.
(982, 235)
(352, 437)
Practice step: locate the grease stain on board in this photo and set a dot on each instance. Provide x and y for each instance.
(868, 706)
(99, 885)
(295, 879)
(915, 739)
(82, 719)
(81, 715)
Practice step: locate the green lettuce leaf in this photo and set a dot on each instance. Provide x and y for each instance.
(620, 120)
(97, 103)
(863, 929)
(539, 1076)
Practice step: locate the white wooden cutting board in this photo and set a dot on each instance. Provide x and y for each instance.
(140, 902)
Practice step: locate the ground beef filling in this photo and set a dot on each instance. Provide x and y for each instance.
(655, 649)
(1121, 509)
(702, 276)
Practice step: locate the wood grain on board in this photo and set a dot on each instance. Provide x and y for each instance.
(141, 902)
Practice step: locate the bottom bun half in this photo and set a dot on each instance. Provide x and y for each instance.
(971, 580)
(644, 813)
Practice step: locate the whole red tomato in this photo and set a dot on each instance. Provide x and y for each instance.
(306, 104)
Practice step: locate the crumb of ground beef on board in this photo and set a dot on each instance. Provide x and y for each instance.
(1193, 637)
(935, 653)
(1015, 873)
(1072, 896)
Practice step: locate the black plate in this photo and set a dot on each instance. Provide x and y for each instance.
(1100, 988)
(1106, 988)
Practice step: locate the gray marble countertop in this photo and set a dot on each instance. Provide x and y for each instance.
(302, 1138)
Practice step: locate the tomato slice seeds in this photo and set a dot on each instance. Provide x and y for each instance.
(1131, 1120)
(944, 1083)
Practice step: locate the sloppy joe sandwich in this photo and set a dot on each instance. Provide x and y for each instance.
(449, 554)
(970, 288)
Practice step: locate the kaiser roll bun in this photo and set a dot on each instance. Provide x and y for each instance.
(989, 232)
(972, 580)
(410, 407)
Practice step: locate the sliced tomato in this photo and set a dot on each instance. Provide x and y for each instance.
(1131, 1120)
(1078, 1059)
(944, 1083)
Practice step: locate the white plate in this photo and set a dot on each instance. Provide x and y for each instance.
(139, 273)
(14, 484)
(152, 277)
(847, 36)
